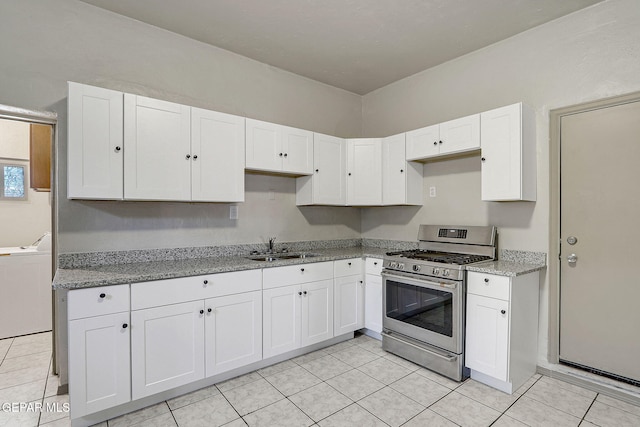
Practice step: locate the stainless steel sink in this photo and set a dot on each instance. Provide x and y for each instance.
(276, 257)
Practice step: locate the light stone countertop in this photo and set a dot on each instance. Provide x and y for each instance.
(506, 268)
(117, 274)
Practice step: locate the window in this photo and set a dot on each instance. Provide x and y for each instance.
(13, 185)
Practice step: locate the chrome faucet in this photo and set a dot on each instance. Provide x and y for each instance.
(271, 242)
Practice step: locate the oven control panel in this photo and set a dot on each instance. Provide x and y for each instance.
(425, 270)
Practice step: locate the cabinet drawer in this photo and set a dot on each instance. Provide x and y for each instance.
(183, 289)
(294, 274)
(373, 266)
(92, 302)
(347, 267)
(489, 285)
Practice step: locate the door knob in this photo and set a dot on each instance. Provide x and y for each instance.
(572, 259)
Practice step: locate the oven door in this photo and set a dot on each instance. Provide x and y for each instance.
(426, 309)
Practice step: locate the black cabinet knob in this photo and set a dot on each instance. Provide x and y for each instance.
(285, 154)
(482, 159)
(103, 295)
(302, 269)
(195, 157)
(201, 311)
(439, 142)
(317, 170)
(305, 292)
(435, 142)
(349, 173)
(375, 263)
(300, 293)
(188, 156)
(401, 170)
(503, 311)
(360, 281)
(125, 326)
(486, 280)
(206, 282)
(209, 310)
(349, 264)
(280, 154)
(118, 148)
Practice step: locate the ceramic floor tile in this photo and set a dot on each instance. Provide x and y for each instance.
(534, 413)
(22, 376)
(609, 416)
(24, 392)
(374, 346)
(4, 347)
(293, 380)
(32, 360)
(360, 338)
(42, 338)
(486, 395)
(506, 421)
(447, 382)
(253, 396)
(616, 403)
(282, 414)
(139, 416)
(527, 385)
(300, 360)
(566, 386)
(353, 415)
(26, 349)
(278, 367)
(465, 411)
(19, 418)
(402, 362)
(64, 422)
(384, 370)
(421, 389)
(192, 397)
(340, 346)
(236, 423)
(355, 384)
(239, 381)
(210, 412)
(355, 356)
(51, 388)
(560, 398)
(326, 367)
(320, 401)
(430, 419)
(164, 420)
(391, 406)
(54, 408)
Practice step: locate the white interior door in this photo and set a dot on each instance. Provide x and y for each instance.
(600, 207)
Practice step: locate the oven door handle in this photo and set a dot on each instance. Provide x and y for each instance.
(446, 357)
(433, 282)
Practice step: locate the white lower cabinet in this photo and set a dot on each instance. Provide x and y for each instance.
(373, 295)
(233, 331)
(502, 329)
(348, 296)
(167, 347)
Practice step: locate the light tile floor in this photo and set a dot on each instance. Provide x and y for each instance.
(354, 383)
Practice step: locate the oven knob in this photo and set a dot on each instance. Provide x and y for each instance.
(393, 264)
(401, 266)
(445, 272)
(436, 271)
(416, 268)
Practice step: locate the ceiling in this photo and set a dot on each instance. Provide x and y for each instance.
(356, 45)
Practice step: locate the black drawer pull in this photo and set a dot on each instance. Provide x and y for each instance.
(206, 282)
(103, 295)
(124, 326)
(201, 311)
(302, 269)
(486, 280)
(209, 310)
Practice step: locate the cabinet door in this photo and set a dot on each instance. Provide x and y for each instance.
(95, 143)
(217, 156)
(99, 363)
(281, 320)
(460, 135)
(233, 331)
(167, 347)
(157, 159)
(317, 312)
(330, 162)
(364, 172)
(348, 304)
(297, 148)
(263, 146)
(487, 339)
(423, 143)
(394, 170)
(373, 303)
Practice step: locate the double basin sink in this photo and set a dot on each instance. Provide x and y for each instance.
(280, 256)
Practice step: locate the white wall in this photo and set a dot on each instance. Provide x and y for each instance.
(588, 55)
(43, 44)
(22, 222)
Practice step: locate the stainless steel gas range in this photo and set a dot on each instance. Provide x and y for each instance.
(424, 295)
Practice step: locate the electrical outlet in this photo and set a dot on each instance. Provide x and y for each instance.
(233, 212)
(432, 191)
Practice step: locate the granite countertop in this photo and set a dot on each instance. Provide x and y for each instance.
(506, 268)
(117, 274)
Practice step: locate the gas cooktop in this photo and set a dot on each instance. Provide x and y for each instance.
(441, 257)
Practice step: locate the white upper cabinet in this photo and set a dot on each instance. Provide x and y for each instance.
(157, 158)
(401, 180)
(444, 139)
(508, 154)
(279, 149)
(327, 185)
(95, 144)
(217, 154)
(364, 171)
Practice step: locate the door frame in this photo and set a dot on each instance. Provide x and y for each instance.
(556, 115)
